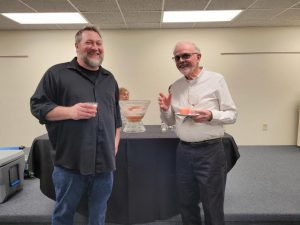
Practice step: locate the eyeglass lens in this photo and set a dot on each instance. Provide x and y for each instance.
(183, 56)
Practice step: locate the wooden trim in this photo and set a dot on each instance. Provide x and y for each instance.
(256, 53)
(13, 56)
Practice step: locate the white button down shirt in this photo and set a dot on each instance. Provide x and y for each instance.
(207, 91)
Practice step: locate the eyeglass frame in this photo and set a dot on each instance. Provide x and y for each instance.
(184, 56)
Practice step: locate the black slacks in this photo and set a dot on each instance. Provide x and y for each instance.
(201, 177)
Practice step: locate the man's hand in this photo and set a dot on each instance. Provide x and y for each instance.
(81, 111)
(76, 112)
(204, 115)
(164, 102)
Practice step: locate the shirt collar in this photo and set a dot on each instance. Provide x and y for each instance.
(195, 79)
(74, 65)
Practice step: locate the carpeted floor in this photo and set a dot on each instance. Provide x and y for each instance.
(264, 185)
(262, 189)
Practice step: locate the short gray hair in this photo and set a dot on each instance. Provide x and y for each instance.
(78, 35)
(197, 49)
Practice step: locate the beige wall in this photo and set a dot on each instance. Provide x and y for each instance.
(265, 87)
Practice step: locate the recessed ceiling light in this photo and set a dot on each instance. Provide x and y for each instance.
(199, 16)
(46, 18)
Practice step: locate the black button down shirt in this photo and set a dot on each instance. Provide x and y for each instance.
(87, 146)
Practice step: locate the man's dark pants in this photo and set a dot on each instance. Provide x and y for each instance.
(201, 176)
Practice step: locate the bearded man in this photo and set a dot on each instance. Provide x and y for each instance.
(199, 104)
(78, 101)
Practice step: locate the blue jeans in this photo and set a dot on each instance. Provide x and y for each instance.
(69, 187)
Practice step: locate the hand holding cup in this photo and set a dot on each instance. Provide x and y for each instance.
(85, 110)
(93, 108)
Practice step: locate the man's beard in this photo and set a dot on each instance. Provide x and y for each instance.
(93, 63)
(186, 69)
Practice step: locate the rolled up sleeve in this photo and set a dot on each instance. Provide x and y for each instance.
(42, 100)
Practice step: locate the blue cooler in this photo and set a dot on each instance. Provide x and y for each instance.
(12, 163)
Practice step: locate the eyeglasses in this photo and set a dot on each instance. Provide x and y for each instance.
(183, 56)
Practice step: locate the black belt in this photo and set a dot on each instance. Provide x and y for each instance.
(201, 142)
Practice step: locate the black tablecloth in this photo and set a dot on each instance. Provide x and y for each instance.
(144, 184)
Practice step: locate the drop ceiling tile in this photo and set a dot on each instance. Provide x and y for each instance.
(273, 4)
(177, 25)
(12, 6)
(174, 5)
(291, 14)
(38, 27)
(264, 23)
(229, 4)
(104, 18)
(5, 23)
(293, 23)
(72, 26)
(297, 6)
(144, 26)
(257, 14)
(211, 24)
(140, 5)
(286, 23)
(8, 27)
(146, 14)
(111, 26)
(142, 17)
(50, 5)
(95, 5)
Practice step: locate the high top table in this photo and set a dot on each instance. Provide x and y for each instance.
(144, 186)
